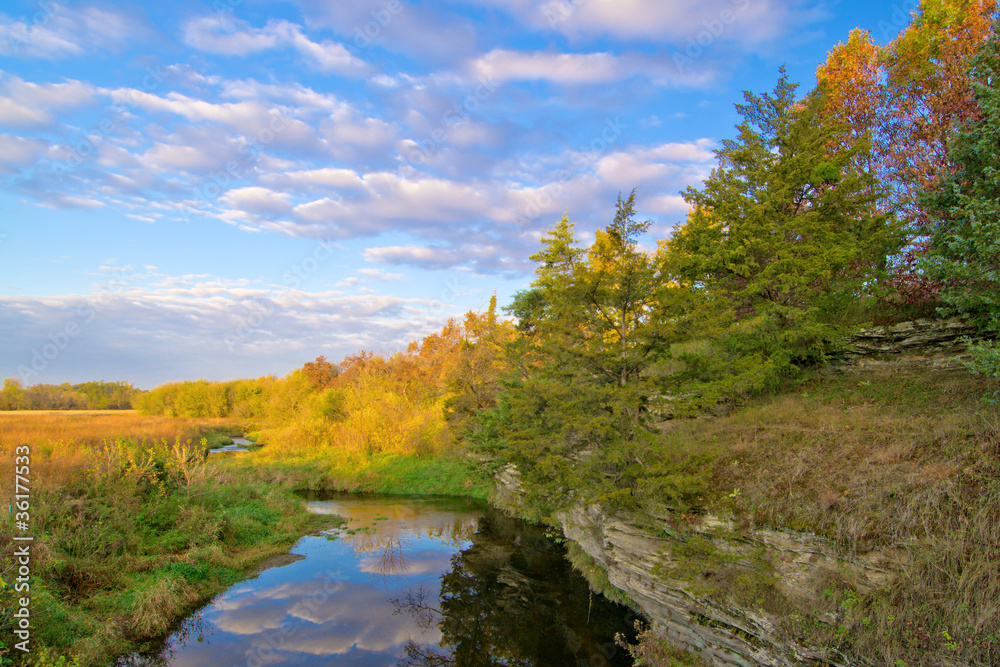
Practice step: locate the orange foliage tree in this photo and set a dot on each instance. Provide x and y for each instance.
(908, 96)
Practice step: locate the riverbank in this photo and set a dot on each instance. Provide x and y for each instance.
(851, 515)
(133, 538)
(851, 520)
(132, 534)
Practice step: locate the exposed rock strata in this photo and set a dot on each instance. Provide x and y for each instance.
(925, 343)
(644, 558)
(645, 568)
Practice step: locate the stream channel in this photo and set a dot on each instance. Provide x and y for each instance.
(408, 581)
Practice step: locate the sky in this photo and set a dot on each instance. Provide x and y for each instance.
(230, 188)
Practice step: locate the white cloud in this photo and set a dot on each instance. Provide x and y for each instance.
(384, 276)
(184, 157)
(18, 152)
(258, 200)
(84, 202)
(26, 104)
(18, 38)
(746, 22)
(152, 328)
(226, 36)
(217, 34)
(566, 68)
(56, 31)
(666, 205)
(366, 132)
(237, 115)
(327, 177)
(652, 165)
(326, 55)
(419, 29)
(13, 114)
(323, 210)
(493, 257)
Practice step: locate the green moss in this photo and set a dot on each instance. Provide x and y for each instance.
(596, 575)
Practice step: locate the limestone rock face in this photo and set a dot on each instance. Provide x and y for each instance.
(642, 558)
(650, 559)
(924, 342)
(645, 567)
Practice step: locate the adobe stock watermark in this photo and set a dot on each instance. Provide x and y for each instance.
(89, 142)
(381, 19)
(714, 28)
(249, 150)
(263, 309)
(224, 8)
(458, 112)
(28, 28)
(58, 341)
(586, 156)
(901, 17)
(275, 639)
(558, 12)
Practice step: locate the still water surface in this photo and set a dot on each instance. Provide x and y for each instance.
(409, 581)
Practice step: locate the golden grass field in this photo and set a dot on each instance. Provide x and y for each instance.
(61, 440)
(37, 427)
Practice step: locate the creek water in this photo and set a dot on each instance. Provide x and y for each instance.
(239, 445)
(407, 582)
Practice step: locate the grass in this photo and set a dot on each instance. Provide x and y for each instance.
(47, 430)
(135, 528)
(132, 534)
(902, 461)
(446, 474)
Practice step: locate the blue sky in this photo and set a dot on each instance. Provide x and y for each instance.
(231, 188)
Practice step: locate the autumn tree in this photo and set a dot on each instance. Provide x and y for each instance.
(854, 98)
(783, 237)
(481, 363)
(907, 97)
(578, 418)
(320, 373)
(13, 395)
(929, 90)
(965, 208)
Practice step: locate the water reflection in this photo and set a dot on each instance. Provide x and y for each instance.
(511, 598)
(407, 582)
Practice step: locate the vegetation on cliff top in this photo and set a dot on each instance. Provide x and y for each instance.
(871, 198)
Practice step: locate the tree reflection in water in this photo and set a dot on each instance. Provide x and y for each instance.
(512, 599)
(391, 561)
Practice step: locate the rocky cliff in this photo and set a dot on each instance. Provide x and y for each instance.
(738, 598)
(741, 595)
(924, 342)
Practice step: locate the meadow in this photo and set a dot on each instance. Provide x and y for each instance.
(134, 527)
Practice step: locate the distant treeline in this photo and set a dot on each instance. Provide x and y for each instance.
(409, 402)
(98, 395)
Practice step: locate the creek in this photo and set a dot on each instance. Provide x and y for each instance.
(408, 581)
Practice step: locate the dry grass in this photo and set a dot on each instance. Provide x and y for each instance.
(61, 441)
(91, 427)
(133, 528)
(157, 607)
(903, 461)
(839, 456)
